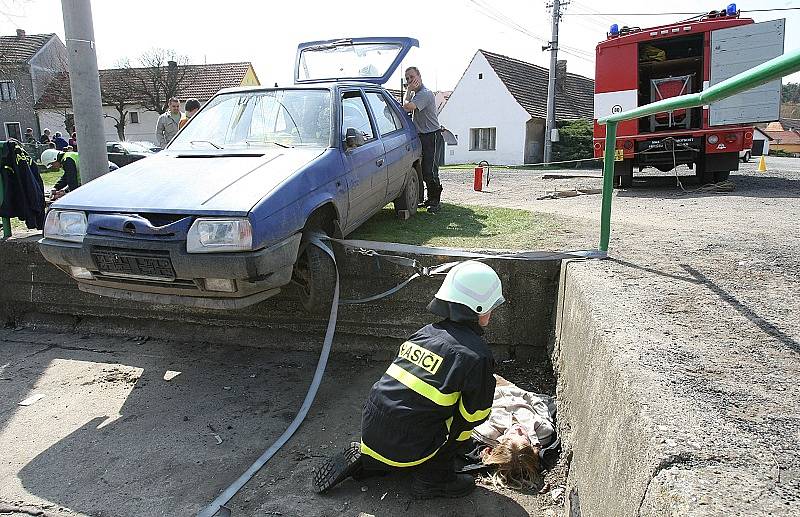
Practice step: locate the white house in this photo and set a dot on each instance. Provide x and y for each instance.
(497, 110)
(200, 82)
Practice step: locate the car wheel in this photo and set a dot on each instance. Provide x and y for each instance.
(746, 157)
(407, 200)
(315, 275)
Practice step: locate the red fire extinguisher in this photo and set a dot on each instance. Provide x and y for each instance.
(477, 183)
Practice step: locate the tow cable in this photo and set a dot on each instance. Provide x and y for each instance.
(369, 248)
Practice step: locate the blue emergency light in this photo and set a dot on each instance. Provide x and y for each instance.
(731, 9)
(614, 30)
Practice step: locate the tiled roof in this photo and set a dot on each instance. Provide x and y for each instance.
(790, 123)
(784, 137)
(528, 84)
(20, 49)
(200, 82)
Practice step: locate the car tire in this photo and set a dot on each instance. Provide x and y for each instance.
(315, 275)
(746, 157)
(407, 200)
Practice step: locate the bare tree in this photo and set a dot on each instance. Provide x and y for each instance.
(116, 94)
(160, 75)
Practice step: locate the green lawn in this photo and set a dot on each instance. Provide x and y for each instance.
(50, 178)
(461, 226)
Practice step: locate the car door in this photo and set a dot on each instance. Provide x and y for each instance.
(395, 142)
(366, 170)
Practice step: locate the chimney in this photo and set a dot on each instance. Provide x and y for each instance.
(172, 64)
(561, 74)
(20, 33)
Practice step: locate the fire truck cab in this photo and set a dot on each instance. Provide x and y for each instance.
(637, 66)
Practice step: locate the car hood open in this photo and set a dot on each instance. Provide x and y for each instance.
(208, 183)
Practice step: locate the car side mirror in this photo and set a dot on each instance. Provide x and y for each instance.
(353, 138)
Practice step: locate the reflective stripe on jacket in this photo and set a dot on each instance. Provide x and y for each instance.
(439, 387)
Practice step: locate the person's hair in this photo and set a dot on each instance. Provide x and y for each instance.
(515, 466)
(58, 133)
(192, 104)
(68, 149)
(174, 99)
(29, 130)
(414, 68)
(46, 130)
(51, 145)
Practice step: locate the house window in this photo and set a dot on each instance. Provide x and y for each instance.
(14, 130)
(134, 117)
(7, 91)
(482, 138)
(480, 76)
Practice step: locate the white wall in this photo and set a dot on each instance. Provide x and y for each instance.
(484, 102)
(144, 130)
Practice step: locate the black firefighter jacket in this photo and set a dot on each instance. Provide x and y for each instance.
(22, 186)
(439, 387)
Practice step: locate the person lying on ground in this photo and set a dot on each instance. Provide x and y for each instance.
(510, 442)
(439, 387)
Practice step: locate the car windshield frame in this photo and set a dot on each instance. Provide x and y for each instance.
(303, 114)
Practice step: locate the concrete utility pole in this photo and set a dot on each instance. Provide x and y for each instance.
(84, 80)
(550, 122)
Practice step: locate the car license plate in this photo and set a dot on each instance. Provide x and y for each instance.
(134, 264)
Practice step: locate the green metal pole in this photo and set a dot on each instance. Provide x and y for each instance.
(608, 185)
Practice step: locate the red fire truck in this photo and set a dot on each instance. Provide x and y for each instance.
(638, 66)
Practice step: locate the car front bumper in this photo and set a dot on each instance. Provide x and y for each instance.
(181, 279)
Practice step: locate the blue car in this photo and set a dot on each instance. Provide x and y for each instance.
(220, 218)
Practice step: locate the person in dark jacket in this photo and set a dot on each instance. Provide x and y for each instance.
(60, 141)
(71, 179)
(439, 387)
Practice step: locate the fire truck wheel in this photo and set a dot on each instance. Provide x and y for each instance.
(703, 177)
(721, 176)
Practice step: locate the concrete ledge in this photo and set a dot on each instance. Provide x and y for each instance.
(36, 293)
(662, 418)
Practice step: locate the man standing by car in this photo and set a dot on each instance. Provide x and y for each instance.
(421, 103)
(168, 123)
(192, 106)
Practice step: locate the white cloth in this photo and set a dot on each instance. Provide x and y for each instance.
(512, 405)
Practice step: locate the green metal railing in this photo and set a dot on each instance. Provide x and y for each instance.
(764, 73)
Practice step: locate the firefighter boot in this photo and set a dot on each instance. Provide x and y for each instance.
(338, 468)
(435, 197)
(459, 485)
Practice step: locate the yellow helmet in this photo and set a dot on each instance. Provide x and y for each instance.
(473, 284)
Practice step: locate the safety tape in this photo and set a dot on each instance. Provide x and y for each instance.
(369, 248)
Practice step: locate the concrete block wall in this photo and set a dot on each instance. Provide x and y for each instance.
(34, 292)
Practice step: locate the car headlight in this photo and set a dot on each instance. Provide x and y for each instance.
(65, 225)
(209, 235)
(713, 139)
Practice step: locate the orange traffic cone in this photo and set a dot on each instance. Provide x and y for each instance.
(762, 165)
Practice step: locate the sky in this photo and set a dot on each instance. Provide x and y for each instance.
(267, 33)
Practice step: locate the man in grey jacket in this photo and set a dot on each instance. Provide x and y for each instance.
(420, 102)
(168, 123)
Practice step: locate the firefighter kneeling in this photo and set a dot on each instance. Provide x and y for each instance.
(439, 387)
